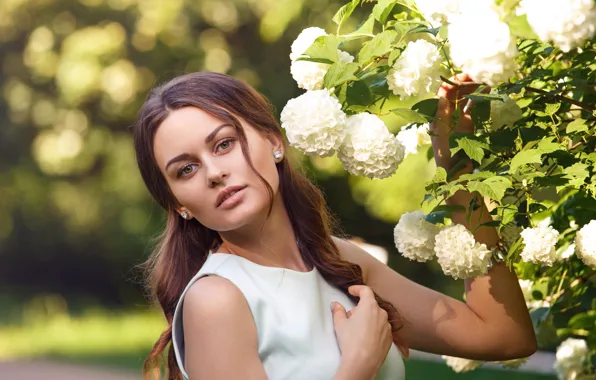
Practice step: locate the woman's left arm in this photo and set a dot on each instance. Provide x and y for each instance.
(493, 323)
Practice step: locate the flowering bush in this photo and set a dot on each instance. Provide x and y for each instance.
(533, 149)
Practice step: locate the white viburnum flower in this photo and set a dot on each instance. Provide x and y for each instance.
(369, 149)
(438, 12)
(309, 75)
(504, 113)
(314, 123)
(416, 71)
(458, 253)
(566, 23)
(539, 244)
(564, 254)
(513, 363)
(412, 137)
(488, 56)
(585, 242)
(570, 358)
(415, 237)
(461, 365)
(531, 303)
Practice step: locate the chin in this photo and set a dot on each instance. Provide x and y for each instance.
(244, 215)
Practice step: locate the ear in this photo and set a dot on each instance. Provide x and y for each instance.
(276, 142)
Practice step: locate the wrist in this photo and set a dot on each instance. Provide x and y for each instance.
(355, 367)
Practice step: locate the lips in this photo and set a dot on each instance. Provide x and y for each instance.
(226, 193)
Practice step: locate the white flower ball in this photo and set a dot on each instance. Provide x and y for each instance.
(412, 137)
(461, 365)
(564, 254)
(310, 75)
(539, 244)
(570, 358)
(438, 12)
(458, 253)
(585, 242)
(369, 149)
(416, 71)
(513, 363)
(415, 237)
(504, 113)
(314, 123)
(488, 56)
(567, 23)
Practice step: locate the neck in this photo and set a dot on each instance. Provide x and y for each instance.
(270, 241)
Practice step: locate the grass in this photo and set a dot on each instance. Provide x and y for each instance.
(123, 339)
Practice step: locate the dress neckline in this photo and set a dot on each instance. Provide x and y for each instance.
(265, 267)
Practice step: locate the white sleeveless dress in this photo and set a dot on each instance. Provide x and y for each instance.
(291, 311)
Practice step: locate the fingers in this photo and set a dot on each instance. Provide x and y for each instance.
(364, 292)
(338, 312)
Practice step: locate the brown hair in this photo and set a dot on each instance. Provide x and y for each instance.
(184, 244)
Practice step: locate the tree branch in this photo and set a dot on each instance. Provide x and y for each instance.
(561, 98)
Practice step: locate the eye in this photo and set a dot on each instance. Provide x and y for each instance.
(224, 145)
(186, 170)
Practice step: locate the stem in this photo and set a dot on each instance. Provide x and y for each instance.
(456, 83)
(561, 98)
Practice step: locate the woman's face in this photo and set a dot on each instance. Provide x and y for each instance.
(201, 158)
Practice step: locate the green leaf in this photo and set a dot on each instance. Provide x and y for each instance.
(472, 147)
(552, 180)
(358, 93)
(378, 46)
(449, 208)
(427, 107)
(577, 173)
(493, 188)
(577, 125)
(450, 188)
(519, 27)
(547, 146)
(480, 114)
(344, 12)
(507, 213)
(339, 73)
(525, 157)
(440, 176)
(409, 116)
(393, 56)
(424, 29)
(324, 48)
(383, 9)
(476, 176)
(481, 97)
(364, 30)
(436, 217)
(552, 108)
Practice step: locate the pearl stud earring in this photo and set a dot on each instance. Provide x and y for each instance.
(185, 214)
(277, 155)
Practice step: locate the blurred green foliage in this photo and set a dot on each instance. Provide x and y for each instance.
(75, 217)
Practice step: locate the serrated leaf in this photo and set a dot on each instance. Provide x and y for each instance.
(339, 73)
(450, 188)
(324, 47)
(358, 93)
(525, 157)
(427, 107)
(493, 188)
(364, 30)
(481, 97)
(383, 9)
(577, 125)
(552, 108)
(547, 146)
(344, 12)
(520, 27)
(507, 213)
(393, 56)
(473, 148)
(577, 174)
(409, 116)
(440, 176)
(476, 176)
(378, 46)
(424, 29)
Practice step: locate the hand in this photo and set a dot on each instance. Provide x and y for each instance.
(364, 335)
(441, 129)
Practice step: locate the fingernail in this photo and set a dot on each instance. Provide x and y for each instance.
(333, 305)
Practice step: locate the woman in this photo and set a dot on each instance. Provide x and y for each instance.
(247, 268)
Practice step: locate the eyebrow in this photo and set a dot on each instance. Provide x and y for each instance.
(210, 137)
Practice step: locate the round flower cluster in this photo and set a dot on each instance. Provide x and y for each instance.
(369, 149)
(513, 363)
(438, 12)
(460, 364)
(539, 244)
(416, 71)
(309, 75)
(585, 241)
(487, 56)
(412, 137)
(458, 253)
(415, 237)
(567, 23)
(314, 123)
(570, 358)
(504, 113)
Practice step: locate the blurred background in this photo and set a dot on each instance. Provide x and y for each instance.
(75, 218)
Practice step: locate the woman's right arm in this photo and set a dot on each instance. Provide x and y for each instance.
(221, 338)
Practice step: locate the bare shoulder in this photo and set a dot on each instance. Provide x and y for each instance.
(220, 336)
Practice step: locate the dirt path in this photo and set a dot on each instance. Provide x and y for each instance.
(45, 370)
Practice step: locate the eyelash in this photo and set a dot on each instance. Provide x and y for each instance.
(181, 170)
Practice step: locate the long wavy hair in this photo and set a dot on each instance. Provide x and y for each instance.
(183, 246)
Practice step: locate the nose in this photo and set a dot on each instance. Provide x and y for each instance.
(215, 175)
